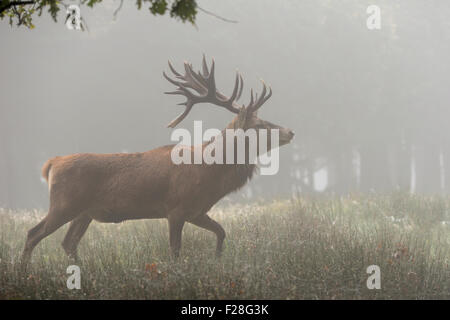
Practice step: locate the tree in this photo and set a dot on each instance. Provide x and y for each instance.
(21, 13)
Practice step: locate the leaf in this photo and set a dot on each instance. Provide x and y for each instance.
(159, 7)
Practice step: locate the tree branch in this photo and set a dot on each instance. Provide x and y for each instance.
(215, 15)
(13, 4)
(118, 9)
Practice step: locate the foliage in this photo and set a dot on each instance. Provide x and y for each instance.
(21, 12)
(305, 248)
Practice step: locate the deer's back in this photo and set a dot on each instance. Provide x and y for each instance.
(112, 186)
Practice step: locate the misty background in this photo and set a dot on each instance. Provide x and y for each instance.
(369, 107)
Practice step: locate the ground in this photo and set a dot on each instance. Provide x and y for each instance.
(300, 248)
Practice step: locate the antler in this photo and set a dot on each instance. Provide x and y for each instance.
(253, 106)
(204, 87)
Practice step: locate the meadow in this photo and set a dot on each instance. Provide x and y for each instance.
(306, 247)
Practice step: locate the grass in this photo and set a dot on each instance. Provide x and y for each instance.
(300, 248)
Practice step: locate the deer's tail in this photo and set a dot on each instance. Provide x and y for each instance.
(46, 169)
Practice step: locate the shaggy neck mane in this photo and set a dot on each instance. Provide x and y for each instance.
(231, 177)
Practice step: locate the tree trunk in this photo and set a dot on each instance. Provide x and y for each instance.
(428, 169)
(401, 166)
(345, 173)
(5, 165)
(374, 168)
(446, 154)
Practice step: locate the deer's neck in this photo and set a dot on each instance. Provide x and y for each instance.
(230, 177)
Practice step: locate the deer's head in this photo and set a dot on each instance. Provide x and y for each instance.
(200, 87)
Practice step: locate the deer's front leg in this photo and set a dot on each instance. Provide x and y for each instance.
(176, 224)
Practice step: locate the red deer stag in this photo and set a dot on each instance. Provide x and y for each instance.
(148, 185)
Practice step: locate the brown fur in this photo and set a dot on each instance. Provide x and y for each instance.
(46, 169)
(145, 185)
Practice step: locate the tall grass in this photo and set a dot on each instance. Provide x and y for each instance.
(300, 248)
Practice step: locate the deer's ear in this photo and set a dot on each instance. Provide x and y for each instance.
(241, 118)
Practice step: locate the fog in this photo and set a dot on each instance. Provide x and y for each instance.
(369, 107)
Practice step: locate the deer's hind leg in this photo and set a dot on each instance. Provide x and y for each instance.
(73, 236)
(205, 222)
(53, 221)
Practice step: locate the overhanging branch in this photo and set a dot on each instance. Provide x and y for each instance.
(13, 4)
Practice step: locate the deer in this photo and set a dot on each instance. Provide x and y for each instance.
(111, 188)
